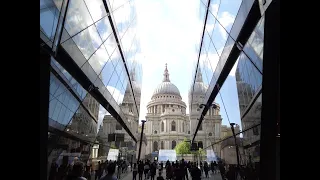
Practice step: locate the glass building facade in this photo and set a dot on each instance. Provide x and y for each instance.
(224, 43)
(93, 47)
(249, 87)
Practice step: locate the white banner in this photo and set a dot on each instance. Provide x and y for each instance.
(165, 155)
(113, 154)
(211, 156)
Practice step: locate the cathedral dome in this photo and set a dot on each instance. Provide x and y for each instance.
(166, 87)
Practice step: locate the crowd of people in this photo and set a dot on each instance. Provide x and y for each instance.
(145, 170)
(180, 170)
(80, 171)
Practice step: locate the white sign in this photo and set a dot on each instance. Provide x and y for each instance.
(113, 154)
(211, 156)
(165, 155)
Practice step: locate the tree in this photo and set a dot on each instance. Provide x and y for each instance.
(113, 146)
(183, 147)
(201, 151)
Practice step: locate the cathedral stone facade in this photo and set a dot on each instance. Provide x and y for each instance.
(167, 122)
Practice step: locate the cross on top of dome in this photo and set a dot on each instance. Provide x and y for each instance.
(166, 75)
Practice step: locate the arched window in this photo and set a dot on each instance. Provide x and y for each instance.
(200, 127)
(155, 132)
(173, 144)
(182, 126)
(162, 145)
(162, 126)
(200, 144)
(173, 126)
(155, 146)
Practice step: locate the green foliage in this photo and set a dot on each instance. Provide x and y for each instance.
(113, 146)
(199, 152)
(183, 147)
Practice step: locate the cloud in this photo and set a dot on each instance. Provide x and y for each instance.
(117, 3)
(102, 113)
(171, 34)
(226, 20)
(127, 39)
(116, 94)
(167, 34)
(122, 14)
(214, 9)
(234, 68)
(185, 98)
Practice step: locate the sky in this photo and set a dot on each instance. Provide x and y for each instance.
(169, 32)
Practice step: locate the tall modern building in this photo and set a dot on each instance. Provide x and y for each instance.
(250, 37)
(88, 48)
(167, 122)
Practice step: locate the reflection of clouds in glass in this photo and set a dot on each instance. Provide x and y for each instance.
(88, 41)
(96, 8)
(122, 14)
(116, 94)
(110, 44)
(117, 3)
(138, 58)
(226, 20)
(220, 51)
(214, 9)
(104, 28)
(234, 68)
(102, 113)
(78, 17)
(98, 59)
(213, 60)
(128, 39)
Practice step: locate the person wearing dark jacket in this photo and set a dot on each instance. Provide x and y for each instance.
(153, 170)
(195, 172)
(140, 170)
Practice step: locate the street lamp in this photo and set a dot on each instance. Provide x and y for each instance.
(235, 140)
(143, 121)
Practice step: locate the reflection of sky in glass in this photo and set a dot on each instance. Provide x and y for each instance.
(214, 40)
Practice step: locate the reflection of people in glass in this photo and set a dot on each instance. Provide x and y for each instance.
(77, 171)
(53, 171)
(64, 168)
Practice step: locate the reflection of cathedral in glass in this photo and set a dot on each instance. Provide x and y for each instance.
(92, 104)
(167, 122)
(82, 122)
(130, 110)
(249, 82)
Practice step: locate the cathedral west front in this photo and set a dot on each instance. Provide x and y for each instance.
(168, 123)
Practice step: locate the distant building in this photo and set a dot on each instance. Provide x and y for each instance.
(168, 124)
